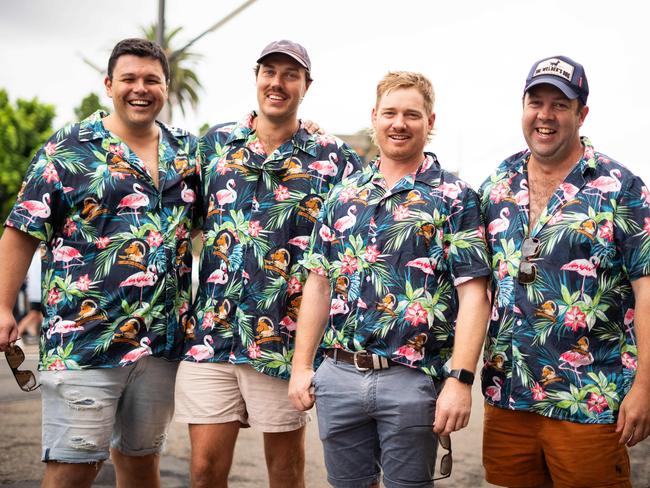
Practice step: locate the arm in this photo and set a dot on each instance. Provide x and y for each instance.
(455, 401)
(16, 251)
(634, 415)
(312, 320)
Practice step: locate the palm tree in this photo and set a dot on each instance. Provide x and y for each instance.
(184, 84)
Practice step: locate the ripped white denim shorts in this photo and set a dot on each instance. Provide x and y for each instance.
(127, 408)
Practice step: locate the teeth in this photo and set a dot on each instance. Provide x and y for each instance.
(276, 97)
(544, 130)
(400, 138)
(141, 103)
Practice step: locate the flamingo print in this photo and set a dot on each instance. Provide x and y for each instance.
(576, 357)
(584, 268)
(494, 390)
(226, 196)
(339, 306)
(606, 184)
(142, 279)
(347, 221)
(499, 224)
(301, 241)
(521, 197)
(218, 277)
(66, 254)
(325, 168)
(133, 201)
(187, 194)
(35, 208)
(61, 327)
(200, 352)
(137, 353)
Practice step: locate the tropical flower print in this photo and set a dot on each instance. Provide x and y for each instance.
(114, 269)
(563, 345)
(260, 212)
(393, 257)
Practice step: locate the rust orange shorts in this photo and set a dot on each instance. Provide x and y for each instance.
(524, 449)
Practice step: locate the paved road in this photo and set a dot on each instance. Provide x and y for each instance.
(20, 416)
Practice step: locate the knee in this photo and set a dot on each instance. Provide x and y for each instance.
(207, 472)
(287, 467)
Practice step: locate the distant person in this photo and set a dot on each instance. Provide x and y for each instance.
(398, 277)
(567, 371)
(30, 322)
(112, 199)
(265, 179)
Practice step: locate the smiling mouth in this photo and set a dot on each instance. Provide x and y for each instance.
(139, 103)
(545, 131)
(276, 97)
(398, 137)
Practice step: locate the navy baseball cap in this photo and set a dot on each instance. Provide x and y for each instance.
(563, 73)
(290, 48)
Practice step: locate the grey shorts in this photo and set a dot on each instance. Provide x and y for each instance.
(127, 408)
(376, 421)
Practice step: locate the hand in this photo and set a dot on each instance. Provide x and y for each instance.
(300, 388)
(312, 127)
(634, 416)
(453, 407)
(8, 330)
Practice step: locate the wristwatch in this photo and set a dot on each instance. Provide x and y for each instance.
(462, 375)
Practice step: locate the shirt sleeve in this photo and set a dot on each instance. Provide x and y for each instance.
(464, 239)
(39, 207)
(632, 228)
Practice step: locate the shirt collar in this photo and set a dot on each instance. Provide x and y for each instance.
(588, 161)
(301, 139)
(428, 173)
(92, 128)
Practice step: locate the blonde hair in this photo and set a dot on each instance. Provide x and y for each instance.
(407, 79)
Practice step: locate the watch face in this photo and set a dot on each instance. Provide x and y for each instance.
(463, 376)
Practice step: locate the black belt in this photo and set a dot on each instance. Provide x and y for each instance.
(362, 360)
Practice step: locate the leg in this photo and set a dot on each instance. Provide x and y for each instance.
(68, 475)
(141, 423)
(209, 400)
(513, 454)
(213, 446)
(136, 471)
(285, 458)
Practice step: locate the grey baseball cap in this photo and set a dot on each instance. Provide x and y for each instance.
(290, 48)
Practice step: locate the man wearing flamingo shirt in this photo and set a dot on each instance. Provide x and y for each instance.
(112, 198)
(567, 359)
(399, 252)
(264, 182)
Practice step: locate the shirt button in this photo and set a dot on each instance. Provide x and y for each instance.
(360, 318)
(368, 278)
(518, 322)
(373, 240)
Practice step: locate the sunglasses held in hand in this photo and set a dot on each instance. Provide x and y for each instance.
(25, 379)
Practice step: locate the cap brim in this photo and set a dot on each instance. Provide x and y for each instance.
(551, 80)
(291, 55)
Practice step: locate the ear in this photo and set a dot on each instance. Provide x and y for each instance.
(583, 115)
(373, 116)
(108, 84)
(432, 119)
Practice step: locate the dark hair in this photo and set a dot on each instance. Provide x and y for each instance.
(142, 48)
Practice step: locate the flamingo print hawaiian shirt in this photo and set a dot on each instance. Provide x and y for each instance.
(260, 213)
(563, 344)
(393, 257)
(117, 269)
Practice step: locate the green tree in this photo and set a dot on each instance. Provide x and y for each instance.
(89, 105)
(184, 84)
(24, 126)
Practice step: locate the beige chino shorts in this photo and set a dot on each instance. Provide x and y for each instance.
(216, 393)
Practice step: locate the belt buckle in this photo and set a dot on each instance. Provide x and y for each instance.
(356, 364)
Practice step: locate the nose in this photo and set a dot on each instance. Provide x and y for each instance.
(545, 112)
(399, 121)
(139, 85)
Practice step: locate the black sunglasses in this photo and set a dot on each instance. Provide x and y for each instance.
(25, 379)
(527, 269)
(446, 462)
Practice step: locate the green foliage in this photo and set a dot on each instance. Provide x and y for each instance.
(90, 104)
(184, 84)
(24, 126)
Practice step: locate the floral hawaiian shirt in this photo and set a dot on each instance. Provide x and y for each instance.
(393, 258)
(117, 269)
(563, 346)
(260, 213)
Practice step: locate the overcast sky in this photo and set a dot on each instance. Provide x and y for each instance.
(476, 53)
